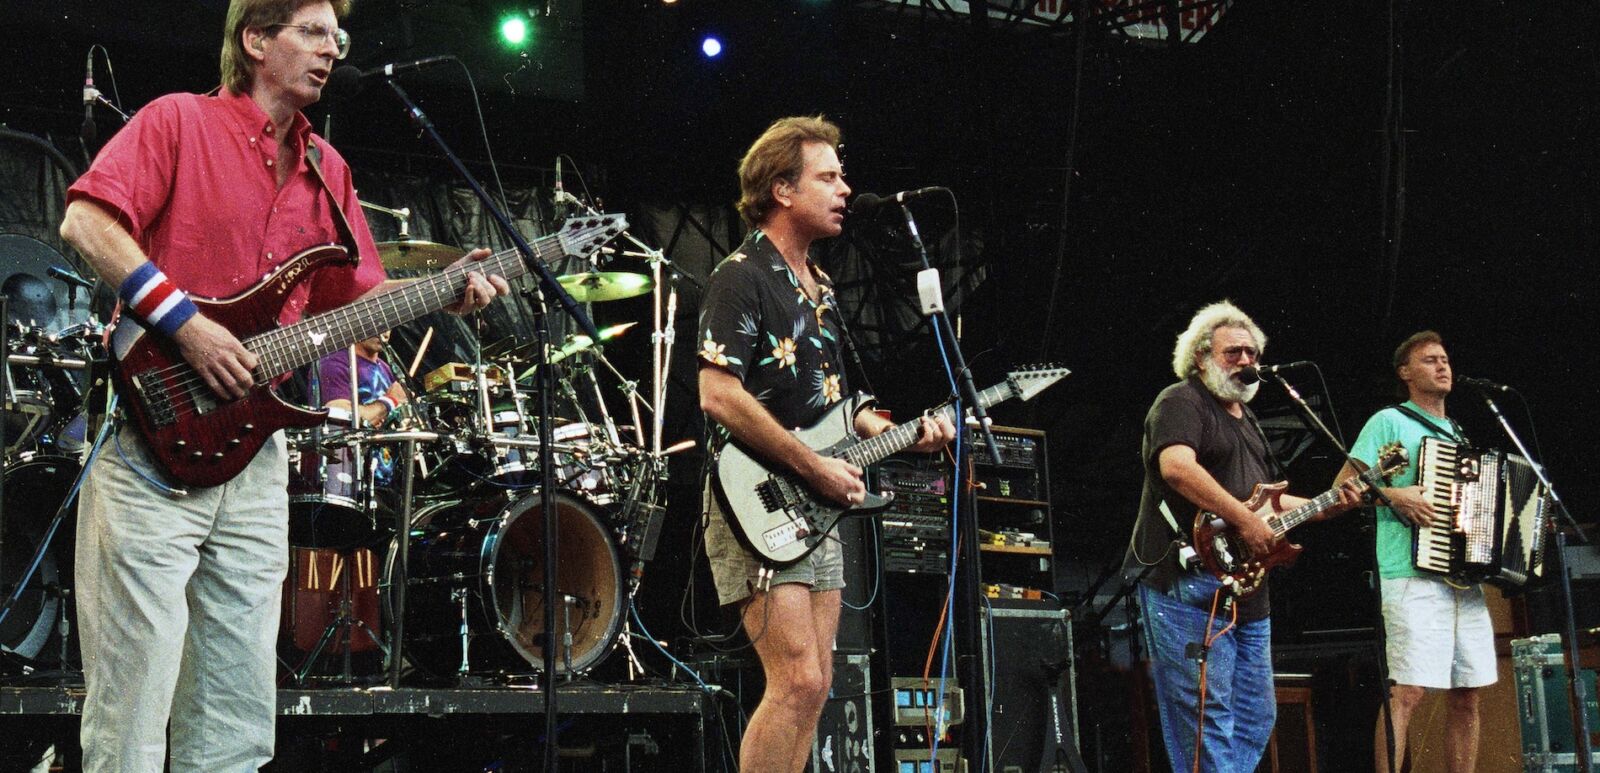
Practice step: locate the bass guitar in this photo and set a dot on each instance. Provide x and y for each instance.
(1225, 555)
(199, 439)
(776, 514)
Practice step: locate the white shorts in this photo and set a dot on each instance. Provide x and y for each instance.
(1438, 636)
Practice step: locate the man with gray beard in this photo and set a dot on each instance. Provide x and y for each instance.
(1203, 450)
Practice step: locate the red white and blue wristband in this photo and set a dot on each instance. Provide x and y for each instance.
(155, 299)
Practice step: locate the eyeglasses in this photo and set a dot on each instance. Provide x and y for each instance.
(315, 34)
(1236, 352)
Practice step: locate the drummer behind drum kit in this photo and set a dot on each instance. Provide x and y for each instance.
(474, 600)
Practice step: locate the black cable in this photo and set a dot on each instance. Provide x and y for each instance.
(1081, 14)
(1394, 162)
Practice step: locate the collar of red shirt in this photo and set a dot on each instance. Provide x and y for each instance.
(255, 121)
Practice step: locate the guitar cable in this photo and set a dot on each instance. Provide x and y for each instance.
(115, 424)
(1205, 656)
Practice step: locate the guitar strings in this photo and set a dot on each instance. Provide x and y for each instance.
(276, 342)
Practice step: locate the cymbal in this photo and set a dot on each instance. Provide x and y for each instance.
(593, 287)
(580, 342)
(415, 255)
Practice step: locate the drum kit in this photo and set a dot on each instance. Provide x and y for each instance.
(466, 444)
(48, 357)
(473, 595)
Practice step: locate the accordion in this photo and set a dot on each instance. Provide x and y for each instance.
(1490, 513)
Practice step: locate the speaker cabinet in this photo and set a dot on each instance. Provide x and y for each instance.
(844, 742)
(1031, 699)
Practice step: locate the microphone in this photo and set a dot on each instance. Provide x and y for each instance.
(70, 277)
(560, 195)
(345, 80)
(89, 131)
(1484, 384)
(395, 68)
(867, 202)
(1250, 374)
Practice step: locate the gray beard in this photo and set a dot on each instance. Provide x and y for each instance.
(1225, 388)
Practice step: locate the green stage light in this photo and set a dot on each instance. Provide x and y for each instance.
(514, 30)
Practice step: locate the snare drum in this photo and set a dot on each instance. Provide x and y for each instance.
(476, 579)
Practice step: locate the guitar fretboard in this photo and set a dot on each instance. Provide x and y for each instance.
(901, 436)
(1283, 522)
(286, 348)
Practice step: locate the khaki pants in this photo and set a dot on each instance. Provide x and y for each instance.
(178, 605)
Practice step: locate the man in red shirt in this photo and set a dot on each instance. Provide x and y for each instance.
(178, 595)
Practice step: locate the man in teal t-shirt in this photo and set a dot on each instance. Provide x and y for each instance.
(1439, 634)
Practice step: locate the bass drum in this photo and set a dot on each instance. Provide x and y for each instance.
(476, 576)
(34, 490)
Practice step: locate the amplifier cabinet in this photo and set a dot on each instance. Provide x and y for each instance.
(1032, 697)
(844, 741)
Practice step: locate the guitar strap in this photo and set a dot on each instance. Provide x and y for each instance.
(1456, 434)
(347, 236)
(852, 357)
(1275, 465)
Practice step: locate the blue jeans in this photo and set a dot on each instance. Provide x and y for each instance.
(1241, 706)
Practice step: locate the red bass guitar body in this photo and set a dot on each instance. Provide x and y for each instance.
(198, 438)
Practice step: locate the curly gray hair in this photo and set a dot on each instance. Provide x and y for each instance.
(1196, 340)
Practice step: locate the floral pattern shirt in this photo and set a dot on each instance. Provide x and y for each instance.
(757, 322)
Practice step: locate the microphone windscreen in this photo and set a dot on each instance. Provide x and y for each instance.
(865, 202)
(343, 83)
(1249, 374)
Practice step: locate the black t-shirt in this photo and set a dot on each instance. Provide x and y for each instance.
(757, 322)
(1231, 450)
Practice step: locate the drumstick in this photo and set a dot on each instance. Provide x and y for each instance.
(422, 349)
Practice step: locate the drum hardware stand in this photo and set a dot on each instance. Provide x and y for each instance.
(460, 595)
(403, 215)
(606, 422)
(630, 388)
(1577, 691)
(567, 600)
(397, 582)
(347, 622)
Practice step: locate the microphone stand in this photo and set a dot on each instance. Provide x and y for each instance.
(551, 288)
(967, 540)
(1314, 422)
(969, 392)
(1577, 691)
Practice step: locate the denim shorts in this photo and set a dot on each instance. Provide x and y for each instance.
(736, 570)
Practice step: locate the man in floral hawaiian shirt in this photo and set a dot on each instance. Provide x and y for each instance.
(770, 360)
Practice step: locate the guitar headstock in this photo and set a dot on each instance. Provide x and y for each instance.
(1033, 379)
(581, 236)
(1392, 460)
